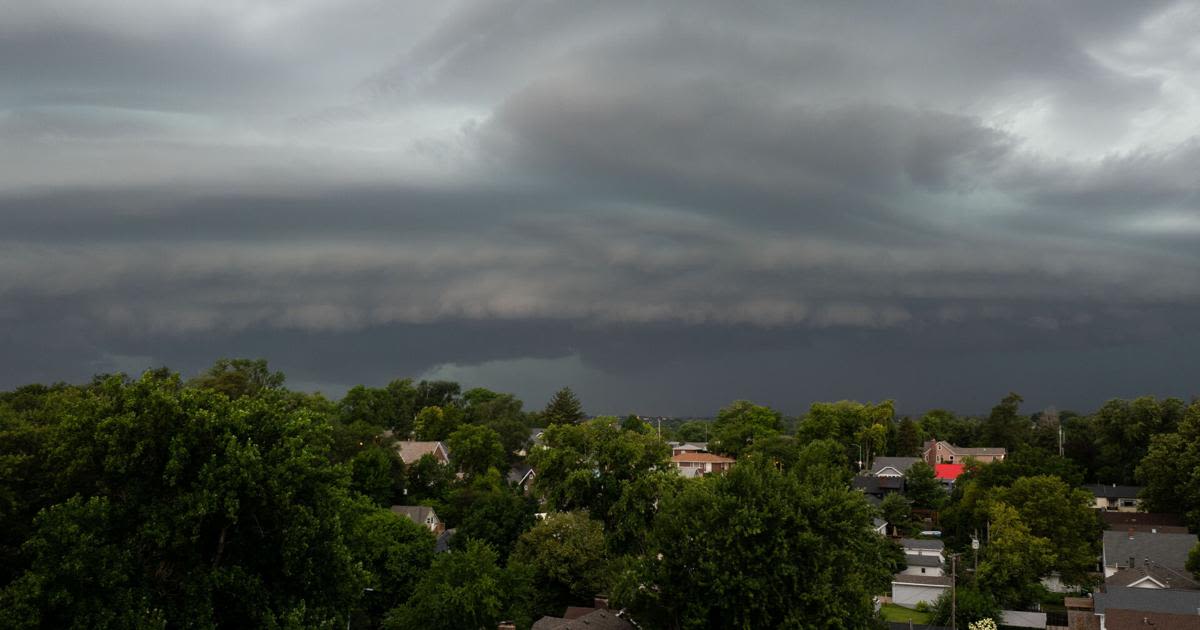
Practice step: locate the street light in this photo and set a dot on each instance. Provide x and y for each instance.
(860, 460)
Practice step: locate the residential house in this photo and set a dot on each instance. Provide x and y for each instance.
(1148, 604)
(919, 564)
(412, 450)
(890, 471)
(1152, 576)
(687, 448)
(521, 475)
(940, 452)
(868, 485)
(1132, 549)
(699, 464)
(924, 547)
(598, 617)
(421, 515)
(1114, 498)
(534, 441)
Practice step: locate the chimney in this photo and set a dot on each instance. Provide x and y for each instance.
(601, 602)
(507, 625)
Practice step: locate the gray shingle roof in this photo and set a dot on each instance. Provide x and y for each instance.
(416, 513)
(901, 464)
(1168, 550)
(919, 543)
(1169, 578)
(1148, 599)
(1113, 491)
(598, 620)
(917, 560)
(927, 580)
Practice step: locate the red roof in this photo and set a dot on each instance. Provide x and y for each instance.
(948, 471)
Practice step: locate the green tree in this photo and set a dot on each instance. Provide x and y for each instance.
(908, 438)
(853, 423)
(474, 449)
(567, 553)
(436, 423)
(1124, 430)
(590, 466)
(1062, 515)
(1014, 559)
(694, 431)
(378, 473)
(239, 377)
(897, 511)
(760, 548)
(742, 423)
(1005, 426)
(189, 507)
(428, 479)
(489, 511)
(563, 408)
(394, 551)
(462, 590)
(1171, 469)
(922, 487)
(971, 604)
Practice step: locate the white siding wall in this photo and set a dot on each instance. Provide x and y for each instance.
(909, 594)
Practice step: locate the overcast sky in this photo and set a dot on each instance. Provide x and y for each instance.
(665, 207)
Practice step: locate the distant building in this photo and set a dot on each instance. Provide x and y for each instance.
(699, 464)
(421, 515)
(411, 451)
(1115, 498)
(939, 452)
(687, 448)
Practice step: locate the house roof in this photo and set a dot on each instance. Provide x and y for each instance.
(1164, 577)
(535, 435)
(923, 580)
(869, 485)
(518, 473)
(990, 451)
(1148, 599)
(1122, 619)
(918, 560)
(411, 450)
(1168, 550)
(418, 513)
(922, 543)
(689, 446)
(1114, 491)
(948, 471)
(702, 457)
(598, 619)
(886, 465)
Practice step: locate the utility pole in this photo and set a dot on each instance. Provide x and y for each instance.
(1060, 439)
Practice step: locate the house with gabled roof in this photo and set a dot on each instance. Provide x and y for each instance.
(940, 452)
(700, 464)
(1133, 549)
(1115, 498)
(1152, 576)
(413, 450)
(421, 515)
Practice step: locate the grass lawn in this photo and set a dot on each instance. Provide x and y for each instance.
(892, 612)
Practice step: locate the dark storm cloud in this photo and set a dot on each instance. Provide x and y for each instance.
(791, 202)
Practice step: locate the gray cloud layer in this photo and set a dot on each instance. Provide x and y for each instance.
(692, 197)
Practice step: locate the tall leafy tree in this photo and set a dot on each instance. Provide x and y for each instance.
(474, 449)
(741, 424)
(1005, 426)
(923, 488)
(590, 466)
(760, 548)
(462, 590)
(564, 408)
(908, 438)
(1171, 469)
(189, 507)
(1062, 515)
(1014, 558)
(239, 377)
(568, 555)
